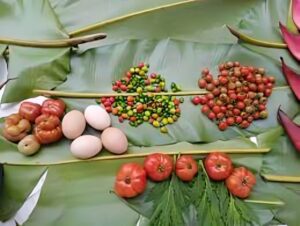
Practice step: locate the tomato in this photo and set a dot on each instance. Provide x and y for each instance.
(158, 166)
(53, 107)
(240, 182)
(131, 180)
(218, 166)
(30, 111)
(16, 128)
(186, 168)
(48, 129)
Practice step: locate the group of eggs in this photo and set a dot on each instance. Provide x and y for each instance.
(87, 146)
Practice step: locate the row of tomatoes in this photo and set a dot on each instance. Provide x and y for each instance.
(131, 179)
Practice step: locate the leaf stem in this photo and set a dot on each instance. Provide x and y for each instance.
(124, 17)
(257, 42)
(66, 94)
(279, 178)
(59, 43)
(141, 155)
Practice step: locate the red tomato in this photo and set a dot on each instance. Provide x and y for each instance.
(48, 129)
(131, 180)
(53, 107)
(186, 168)
(158, 166)
(218, 166)
(30, 111)
(240, 182)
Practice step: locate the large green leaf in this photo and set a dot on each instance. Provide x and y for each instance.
(16, 186)
(36, 68)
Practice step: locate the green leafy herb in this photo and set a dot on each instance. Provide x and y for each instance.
(168, 210)
(206, 201)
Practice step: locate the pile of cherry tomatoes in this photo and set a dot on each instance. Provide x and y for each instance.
(131, 179)
(237, 97)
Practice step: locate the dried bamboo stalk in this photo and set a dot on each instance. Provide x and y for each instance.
(60, 43)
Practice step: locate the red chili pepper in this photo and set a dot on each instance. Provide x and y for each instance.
(292, 129)
(292, 78)
(296, 12)
(292, 41)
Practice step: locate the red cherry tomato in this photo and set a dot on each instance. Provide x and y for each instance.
(130, 181)
(241, 182)
(158, 166)
(218, 166)
(186, 168)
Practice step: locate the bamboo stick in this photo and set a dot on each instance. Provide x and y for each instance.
(120, 18)
(60, 43)
(141, 155)
(250, 40)
(267, 202)
(279, 178)
(98, 95)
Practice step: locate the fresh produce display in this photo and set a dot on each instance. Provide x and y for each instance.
(189, 182)
(131, 180)
(186, 168)
(114, 140)
(29, 145)
(240, 182)
(16, 128)
(158, 110)
(218, 166)
(158, 166)
(237, 97)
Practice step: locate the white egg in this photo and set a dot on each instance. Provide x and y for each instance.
(86, 146)
(114, 140)
(73, 124)
(97, 117)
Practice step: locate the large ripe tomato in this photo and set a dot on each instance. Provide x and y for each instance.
(47, 129)
(186, 168)
(218, 166)
(54, 107)
(131, 180)
(158, 166)
(240, 182)
(29, 110)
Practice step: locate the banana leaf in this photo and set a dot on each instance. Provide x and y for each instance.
(177, 42)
